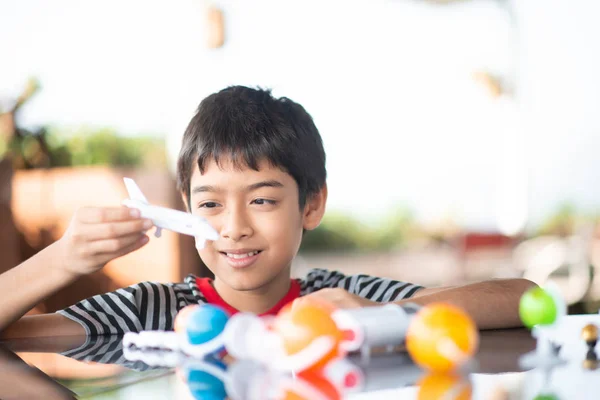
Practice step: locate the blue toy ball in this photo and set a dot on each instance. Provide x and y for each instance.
(206, 323)
(205, 386)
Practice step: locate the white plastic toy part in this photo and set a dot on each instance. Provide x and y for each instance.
(385, 371)
(561, 306)
(166, 218)
(560, 341)
(154, 358)
(169, 359)
(345, 375)
(250, 380)
(253, 380)
(367, 328)
(247, 336)
(169, 340)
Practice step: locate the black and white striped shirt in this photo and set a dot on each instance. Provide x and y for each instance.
(154, 305)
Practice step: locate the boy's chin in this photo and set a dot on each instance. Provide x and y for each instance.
(247, 283)
(245, 286)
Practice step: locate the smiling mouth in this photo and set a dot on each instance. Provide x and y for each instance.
(241, 260)
(241, 256)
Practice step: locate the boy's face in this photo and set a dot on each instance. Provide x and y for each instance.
(259, 220)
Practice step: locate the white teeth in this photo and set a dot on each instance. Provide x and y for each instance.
(244, 255)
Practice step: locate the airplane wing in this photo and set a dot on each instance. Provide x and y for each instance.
(134, 191)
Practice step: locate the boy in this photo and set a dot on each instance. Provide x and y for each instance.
(254, 167)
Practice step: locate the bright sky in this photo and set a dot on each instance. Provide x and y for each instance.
(389, 84)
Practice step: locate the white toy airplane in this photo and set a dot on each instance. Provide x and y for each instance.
(166, 218)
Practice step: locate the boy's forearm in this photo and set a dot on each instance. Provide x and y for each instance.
(27, 284)
(62, 331)
(498, 307)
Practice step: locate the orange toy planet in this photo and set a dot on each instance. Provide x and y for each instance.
(441, 337)
(310, 384)
(438, 386)
(300, 323)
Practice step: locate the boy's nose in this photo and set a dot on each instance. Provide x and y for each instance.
(236, 226)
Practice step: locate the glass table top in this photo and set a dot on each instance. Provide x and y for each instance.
(96, 368)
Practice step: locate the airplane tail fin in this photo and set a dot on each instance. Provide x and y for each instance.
(208, 231)
(200, 242)
(135, 193)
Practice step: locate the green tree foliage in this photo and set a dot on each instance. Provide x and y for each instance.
(83, 147)
(341, 232)
(105, 147)
(44, 148)
(565, 220)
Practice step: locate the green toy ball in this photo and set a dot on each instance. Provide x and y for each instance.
(546, 397)
(537, 307)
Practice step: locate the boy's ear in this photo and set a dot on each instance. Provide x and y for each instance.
(314, 209)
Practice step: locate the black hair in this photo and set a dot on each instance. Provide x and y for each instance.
(249, 125)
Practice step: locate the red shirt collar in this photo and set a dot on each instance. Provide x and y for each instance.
(212, 297)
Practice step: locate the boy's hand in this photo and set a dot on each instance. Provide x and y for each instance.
(340, 298)
(97, 235)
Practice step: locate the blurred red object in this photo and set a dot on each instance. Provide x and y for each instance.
(484, 255)
(477, 240)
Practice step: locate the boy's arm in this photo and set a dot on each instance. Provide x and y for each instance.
(94, 237)
(77, 329)
(27, 285)
(492, 304)
(43, 325)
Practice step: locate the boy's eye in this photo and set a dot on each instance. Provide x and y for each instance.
(263, 201)
(208, 204)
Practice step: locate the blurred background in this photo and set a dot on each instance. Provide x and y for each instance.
(461, 136)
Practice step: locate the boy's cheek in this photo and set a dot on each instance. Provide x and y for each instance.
(204, 256)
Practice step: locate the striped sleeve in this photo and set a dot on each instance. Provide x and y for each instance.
(143, 306)
(381, 290)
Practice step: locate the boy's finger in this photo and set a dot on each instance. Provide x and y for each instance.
(133, 247)
(116, 245)
(141, 241)
(113, 230)
(98, 215)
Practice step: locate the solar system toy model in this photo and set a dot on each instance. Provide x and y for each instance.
(302, 353)
(308, 335)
